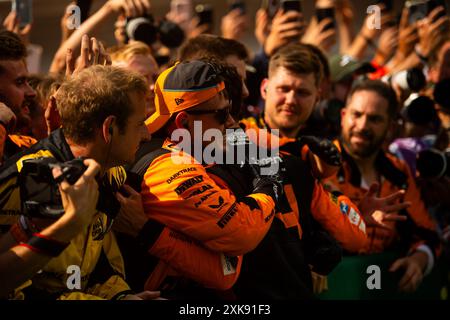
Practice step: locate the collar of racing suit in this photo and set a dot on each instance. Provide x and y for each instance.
(383, 165)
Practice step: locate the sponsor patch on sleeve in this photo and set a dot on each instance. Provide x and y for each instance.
(227, 216)
(362, 226)
(354, 217)
(344, 207)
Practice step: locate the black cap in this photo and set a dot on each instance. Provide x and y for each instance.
(416, 79)
(420, 111)
(442, 94)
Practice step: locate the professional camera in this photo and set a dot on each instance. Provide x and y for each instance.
(40, 194)
(325, 119)
(433, 163)
(147, 30)
(39, 190)
(328, 111)
(419, 110)
(408, 80)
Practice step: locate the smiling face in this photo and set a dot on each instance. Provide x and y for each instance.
(365, 122)
(290, 99)
(15, 91)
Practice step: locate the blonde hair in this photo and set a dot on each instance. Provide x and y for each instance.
(126, 52)
(89, 97)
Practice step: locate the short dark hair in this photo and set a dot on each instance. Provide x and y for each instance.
(323, 59)
(382, 89)
(89, 97)
(230, 77)
(212, 46)
(299, 59)
(12, 48)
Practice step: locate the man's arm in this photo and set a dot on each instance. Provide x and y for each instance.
(414, 267)
(131, 8)
(182, 253)
(340, 218)
(193, 204)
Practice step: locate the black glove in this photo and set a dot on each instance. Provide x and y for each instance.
(323, 148)
(268, 184)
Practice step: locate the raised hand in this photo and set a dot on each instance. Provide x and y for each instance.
(92, 52)
(234, 24)
(430, 29)
(379, 212)
(12, 23)
(131, 217)
(317, 34)
(286, 27)
(261, 26)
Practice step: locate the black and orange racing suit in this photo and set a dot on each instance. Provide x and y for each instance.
(185, 203)
(319, 167)
(178, 192)
(417, 231)
(278, 268)
(341, 219)
(281, 248)
(188, 188)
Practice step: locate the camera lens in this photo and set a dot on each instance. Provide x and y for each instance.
(412, 79)
(142, 29)
(420, 111)
(170, 34)
(431, 163)
(328, 111)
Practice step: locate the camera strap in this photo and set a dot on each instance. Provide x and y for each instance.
(45, 245)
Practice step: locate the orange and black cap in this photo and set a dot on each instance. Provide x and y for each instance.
(181, 87)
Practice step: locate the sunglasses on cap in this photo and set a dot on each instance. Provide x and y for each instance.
(221, 115)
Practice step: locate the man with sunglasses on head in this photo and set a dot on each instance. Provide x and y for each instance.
(178, 192)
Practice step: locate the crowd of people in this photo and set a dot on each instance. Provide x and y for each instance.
(106, 158)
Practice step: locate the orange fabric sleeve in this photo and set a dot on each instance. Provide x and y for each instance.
(191, 260)
(22, 141)
(340, 217)
(185, 198)
(418, 212)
